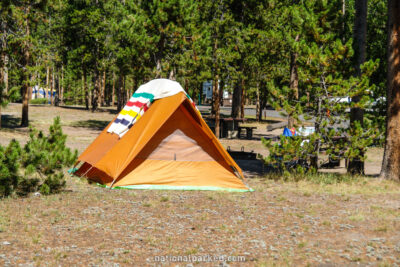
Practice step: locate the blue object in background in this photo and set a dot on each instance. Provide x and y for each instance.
(287, 132)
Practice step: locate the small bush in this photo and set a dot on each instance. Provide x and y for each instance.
(41, 162)
(9, 165)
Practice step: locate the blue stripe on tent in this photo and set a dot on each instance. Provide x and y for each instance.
(122, 121)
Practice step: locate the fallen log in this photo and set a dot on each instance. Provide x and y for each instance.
(277, 125)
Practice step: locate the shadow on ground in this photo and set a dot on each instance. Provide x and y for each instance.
(111, 111)
(91, 124)
(11, 122)
(251, 168)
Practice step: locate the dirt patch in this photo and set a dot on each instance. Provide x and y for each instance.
(279, 223)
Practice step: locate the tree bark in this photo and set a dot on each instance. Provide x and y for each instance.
(242, 99)
(294, 82)
(26, 85)
(258, 104)
(103, 88)
(4, 58)
(62, 85)
(57, 102)
(85, 89)
(47, 79)
(52, 87)
(236, 99)
(113, 91)
(96, 90)
(391, 159)
(172, 75)
(216, 98)
(119, 92)
(5, 74)
(158, 68)
(343, 20)
(356, 166)
(38, 85)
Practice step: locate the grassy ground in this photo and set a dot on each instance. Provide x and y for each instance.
(310, 222)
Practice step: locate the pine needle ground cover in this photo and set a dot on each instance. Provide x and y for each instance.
(282, 223)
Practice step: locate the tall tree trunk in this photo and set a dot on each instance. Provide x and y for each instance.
(216, 98)
(85, 88)
(113, 91)
(391, 158)
(58, 92)
(236, 99)
(172, 75)
(263, 100)
(5, 74)
(26, 85)
(62, 85)
(53, 85)
(158, 68)
(33, 81)
(258, 104)
(47, 80)
(294, 82)
(317, 145)
(38, 85)
(343, 20)
(120, 92)
(186, 86)
(4, 58)
(356, 166)
(103, 88)
(96, 90)
(243, 98)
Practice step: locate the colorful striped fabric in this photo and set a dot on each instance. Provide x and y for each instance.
(140, 102)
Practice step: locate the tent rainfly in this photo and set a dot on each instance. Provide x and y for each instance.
(160, 141)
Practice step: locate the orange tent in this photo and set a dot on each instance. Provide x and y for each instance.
(170, 147)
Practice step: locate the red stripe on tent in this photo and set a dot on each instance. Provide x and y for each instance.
(137, 104)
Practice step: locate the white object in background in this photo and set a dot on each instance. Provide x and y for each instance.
(305, 131)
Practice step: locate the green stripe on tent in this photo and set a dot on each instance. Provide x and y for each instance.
(144, 95)
(72, 170)
(185, 188)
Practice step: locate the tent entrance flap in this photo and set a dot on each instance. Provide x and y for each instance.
(179, 147)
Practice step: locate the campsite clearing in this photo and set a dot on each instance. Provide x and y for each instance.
(281, 223)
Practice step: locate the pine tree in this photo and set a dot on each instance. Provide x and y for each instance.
(323, 61)
(9, 166)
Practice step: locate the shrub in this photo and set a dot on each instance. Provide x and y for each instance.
(42, 160)
(9, 165)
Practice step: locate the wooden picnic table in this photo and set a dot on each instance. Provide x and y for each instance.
(249, 131)
(229, 125)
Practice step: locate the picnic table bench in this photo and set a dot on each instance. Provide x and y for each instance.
(249, 131)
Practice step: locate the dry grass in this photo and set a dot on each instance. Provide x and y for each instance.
(276, 224)
(280, 224)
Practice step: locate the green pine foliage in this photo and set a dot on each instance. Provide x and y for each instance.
(325, 84)
(9, 166)
(38, 166)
